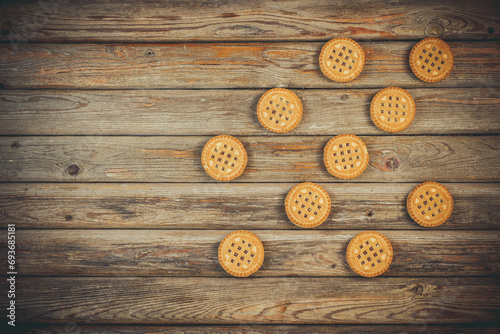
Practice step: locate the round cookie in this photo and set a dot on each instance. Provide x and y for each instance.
(345, 156)
(369, 254)
(224, 158)
(429, 204)
(392, 109)
(341, 59)
(307, 205)
(241, 253)
(279, 110)
(431, 59)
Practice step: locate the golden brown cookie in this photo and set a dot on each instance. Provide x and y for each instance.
(369, 254)
(307, 205)
(429, 204)
(224, 158)
(279, 110)
(392, 109)
(341, 59)
(345, 156)
(241, 253)
(431, 59)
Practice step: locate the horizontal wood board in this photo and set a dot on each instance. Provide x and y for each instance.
(179, 112)
(255, 206)
(228, 65)
(270, 159)
(287, 253)
(280, 300)
(154, 20)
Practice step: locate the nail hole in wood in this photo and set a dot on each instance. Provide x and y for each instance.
(344, 97)
(15, 145)
(68, 217)
(491, 30)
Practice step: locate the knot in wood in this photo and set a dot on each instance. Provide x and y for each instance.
(390, 164)
(6, 27)
(418, 289)
(433, 29)
(73, 170)
(110, 48)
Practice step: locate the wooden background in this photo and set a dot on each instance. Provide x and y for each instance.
(103, 115)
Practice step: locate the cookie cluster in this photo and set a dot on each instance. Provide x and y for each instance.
(345, 156)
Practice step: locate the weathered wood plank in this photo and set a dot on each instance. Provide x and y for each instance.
(252, 206)
(288, 253)
(418, 327)
(353, 300)
(63, 20)
(270, 159)
(228, 65)
(177, 112)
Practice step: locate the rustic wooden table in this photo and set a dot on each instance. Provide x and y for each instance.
(103, 115)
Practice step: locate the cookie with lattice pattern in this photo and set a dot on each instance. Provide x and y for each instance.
(307, 205)
(392, 109)
(224, 158)
(345, 156)
(429, 204)
(341, 59)
(431, 59)
(241, 253)
(369, 254)
(279, 110)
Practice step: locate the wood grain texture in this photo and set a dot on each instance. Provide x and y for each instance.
(63, 20)
(288, 253)
(176, 300)
(270, 159)
(228, 65)
(261, 329)
(178, 112)
(252, 206)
